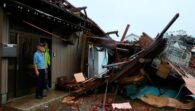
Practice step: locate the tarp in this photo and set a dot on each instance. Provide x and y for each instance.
(135, 93)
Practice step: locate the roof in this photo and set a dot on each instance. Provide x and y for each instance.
(48, 15)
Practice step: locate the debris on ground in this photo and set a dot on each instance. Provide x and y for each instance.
(160, 101)
(125, 105)
(151, 70)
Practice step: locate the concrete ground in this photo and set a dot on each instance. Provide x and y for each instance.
(53, 102)
(29, 103)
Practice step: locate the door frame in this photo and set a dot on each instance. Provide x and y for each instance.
(27, 35)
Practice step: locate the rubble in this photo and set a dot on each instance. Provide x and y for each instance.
(133, 65)
(159, 71)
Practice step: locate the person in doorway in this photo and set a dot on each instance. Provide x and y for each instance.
(39, 67)
(47, 64)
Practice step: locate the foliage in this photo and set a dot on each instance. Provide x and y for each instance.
(183, 36)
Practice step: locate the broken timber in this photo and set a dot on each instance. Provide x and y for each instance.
(154, 49)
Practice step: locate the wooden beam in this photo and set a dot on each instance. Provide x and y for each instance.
(83, 51)
(125, 33)
(43, 30)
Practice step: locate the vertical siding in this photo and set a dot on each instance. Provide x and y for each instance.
(4, 29)
(67, 59)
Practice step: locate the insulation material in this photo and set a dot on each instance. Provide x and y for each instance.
(163, 70)
(158, 101)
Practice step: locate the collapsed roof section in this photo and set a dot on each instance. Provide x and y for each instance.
(134, 60)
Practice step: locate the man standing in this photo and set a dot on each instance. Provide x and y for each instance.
(39, 66)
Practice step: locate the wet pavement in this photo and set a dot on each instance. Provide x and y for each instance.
(94, 103)
(29, 103)
(85, 103)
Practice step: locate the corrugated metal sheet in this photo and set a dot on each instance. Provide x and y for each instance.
(186, 75)
(190, 83)
(65, 58)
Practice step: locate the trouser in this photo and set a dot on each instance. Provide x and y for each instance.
(40, 85)
(46, 80)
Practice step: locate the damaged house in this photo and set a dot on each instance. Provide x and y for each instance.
(147, 69)
(23, 24)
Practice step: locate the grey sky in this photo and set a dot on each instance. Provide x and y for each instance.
(148, 16)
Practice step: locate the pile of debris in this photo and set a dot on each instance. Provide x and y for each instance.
(93, 103)
(144, 69)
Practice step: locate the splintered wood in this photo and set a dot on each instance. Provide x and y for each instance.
(124, 58)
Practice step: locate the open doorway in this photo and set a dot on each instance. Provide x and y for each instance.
(21, 77)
